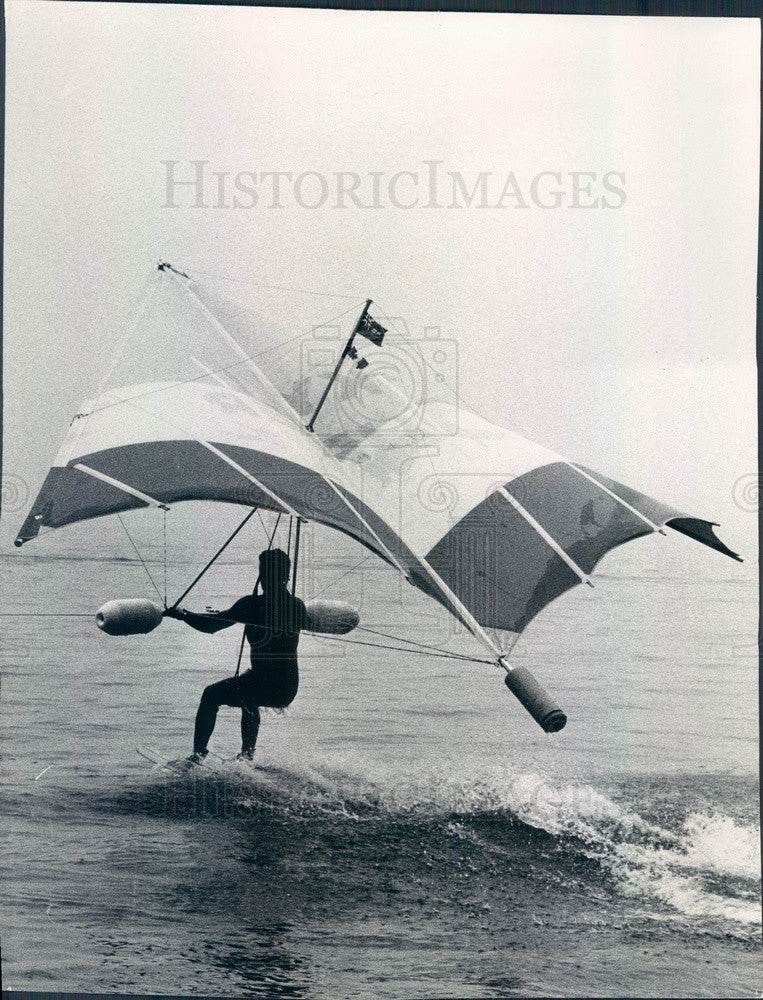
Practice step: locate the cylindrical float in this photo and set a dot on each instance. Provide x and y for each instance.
(333, 617)
(538, 702)
(134, 616)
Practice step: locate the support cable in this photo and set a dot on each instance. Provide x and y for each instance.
(164, 542)
(420, 646)
(279, 288)
(219, 552)
(401, 649)
(140, 557)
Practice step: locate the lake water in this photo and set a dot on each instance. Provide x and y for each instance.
(409, 830)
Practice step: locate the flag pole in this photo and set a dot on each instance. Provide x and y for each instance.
(347, 348)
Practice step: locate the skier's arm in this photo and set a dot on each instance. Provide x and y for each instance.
(216, 621)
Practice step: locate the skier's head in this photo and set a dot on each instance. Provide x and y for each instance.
(274, 568)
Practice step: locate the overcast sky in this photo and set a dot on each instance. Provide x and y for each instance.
(620, 334)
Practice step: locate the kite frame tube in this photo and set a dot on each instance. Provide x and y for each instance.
(118, 484)
(584, 577)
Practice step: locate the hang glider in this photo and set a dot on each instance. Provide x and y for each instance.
(489, 524)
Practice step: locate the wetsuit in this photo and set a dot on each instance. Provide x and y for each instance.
(273, 622)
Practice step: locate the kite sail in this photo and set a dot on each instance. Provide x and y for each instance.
(489, 524)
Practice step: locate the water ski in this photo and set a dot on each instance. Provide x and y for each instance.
(183, 765)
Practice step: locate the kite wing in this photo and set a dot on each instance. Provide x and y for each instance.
(491, 525)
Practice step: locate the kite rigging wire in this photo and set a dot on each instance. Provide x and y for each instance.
(164, 541)
(402, 649)
(421, 647)
(267, 537)
(280, 288)
(140, 557)
(219, 552)
(46, 614)
(218, 371)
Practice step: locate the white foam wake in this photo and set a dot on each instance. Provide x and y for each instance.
(711, 850)
(708, 868)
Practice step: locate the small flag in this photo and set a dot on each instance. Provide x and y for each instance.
(372, 330)
(362, 364)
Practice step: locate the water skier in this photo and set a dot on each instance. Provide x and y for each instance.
(273, 622)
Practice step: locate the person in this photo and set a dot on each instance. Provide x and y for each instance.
(273, 621)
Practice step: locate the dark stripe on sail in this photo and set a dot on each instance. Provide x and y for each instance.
(695, 527)
(176, 471)
(68, 495)
(499, 566)
(505, 572)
